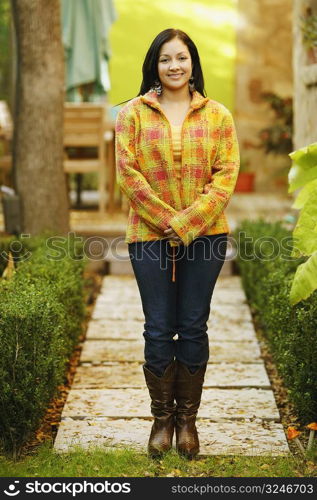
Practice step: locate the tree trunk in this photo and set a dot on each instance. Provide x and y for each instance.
(38, 119)
(305, 82)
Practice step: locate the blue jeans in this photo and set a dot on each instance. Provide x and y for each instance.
(179, 307)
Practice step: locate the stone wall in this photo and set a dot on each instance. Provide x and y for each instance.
(264, 64)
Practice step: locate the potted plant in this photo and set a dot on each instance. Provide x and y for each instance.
(309, 32)
(245, 181)
(277, 138)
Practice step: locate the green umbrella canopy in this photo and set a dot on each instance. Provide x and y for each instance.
(85, 27)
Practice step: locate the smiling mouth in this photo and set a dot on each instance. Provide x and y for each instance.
(176, 74)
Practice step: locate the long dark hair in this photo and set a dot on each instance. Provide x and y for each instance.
(149, 68)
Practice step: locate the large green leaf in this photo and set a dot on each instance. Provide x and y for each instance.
(304, 168)
(305, 193)
(303, 173)
(298, 177)
(305, 280)
(305, 157)
(305, 231)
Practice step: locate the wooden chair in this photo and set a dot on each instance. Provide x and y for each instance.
(6, 131)
(84, 126)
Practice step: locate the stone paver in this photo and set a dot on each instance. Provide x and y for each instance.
(109, 404)
(225, 331)
(220, 296)
(119, 312)
(216, 404)
(217, 438)
(123, 375)
(133, 311)
(133, 350)
(101, 329)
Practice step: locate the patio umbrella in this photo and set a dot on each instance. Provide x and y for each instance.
(85, 28)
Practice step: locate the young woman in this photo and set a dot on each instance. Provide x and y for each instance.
(177, 160)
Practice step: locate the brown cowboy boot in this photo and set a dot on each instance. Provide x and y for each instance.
(162, 393)
(188, 396)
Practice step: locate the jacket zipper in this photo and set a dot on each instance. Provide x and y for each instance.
(171, 151)
(171, 138)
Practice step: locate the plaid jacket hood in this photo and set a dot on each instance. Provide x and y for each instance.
(146, 174)
(197, 101)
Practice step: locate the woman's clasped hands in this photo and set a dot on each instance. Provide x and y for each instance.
(172, 235)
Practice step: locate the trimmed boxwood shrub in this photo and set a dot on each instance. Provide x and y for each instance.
(290, 330)
(41, 313)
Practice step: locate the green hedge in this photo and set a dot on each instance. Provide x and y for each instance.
(41, 313)
(267, 269)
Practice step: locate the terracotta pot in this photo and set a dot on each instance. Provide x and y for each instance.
(245, 182)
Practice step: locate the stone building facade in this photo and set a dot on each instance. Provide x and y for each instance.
(264, 64)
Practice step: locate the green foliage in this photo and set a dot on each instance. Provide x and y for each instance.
(304, 167)
(277, 138)
(95, 461)
(303, 174)
(309, 30)
(267, 269)
(41, 313)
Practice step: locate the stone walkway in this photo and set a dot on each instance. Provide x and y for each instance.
(109, 404)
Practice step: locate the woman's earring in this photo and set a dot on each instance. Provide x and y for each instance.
(191, 84)
(157, 87)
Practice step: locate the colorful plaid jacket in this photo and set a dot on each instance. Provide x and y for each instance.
(145, 173)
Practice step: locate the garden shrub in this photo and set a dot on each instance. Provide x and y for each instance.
(290, 330)
(41, 313)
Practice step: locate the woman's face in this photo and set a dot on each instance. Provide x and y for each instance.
(174, 64)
